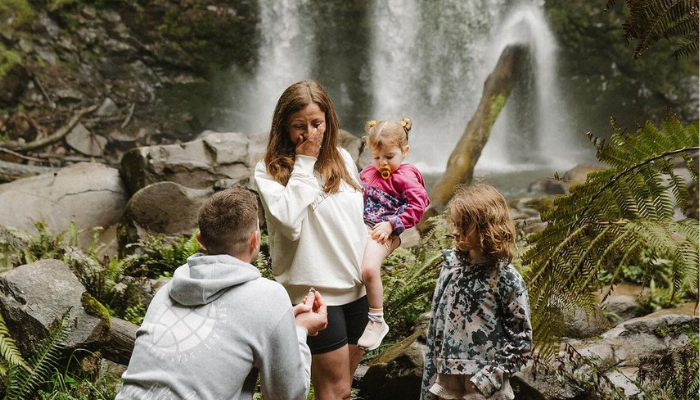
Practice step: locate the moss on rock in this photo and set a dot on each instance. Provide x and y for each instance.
(93, 307)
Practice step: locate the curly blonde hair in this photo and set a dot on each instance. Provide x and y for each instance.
(387, 133)
(481, 207)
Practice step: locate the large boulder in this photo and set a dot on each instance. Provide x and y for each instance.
(581, 324)
(575, 176)
(214, 159)
(199, 164)
(35, 296)
(163, 208)
(88, 194)
(621, 301)
(623, 346)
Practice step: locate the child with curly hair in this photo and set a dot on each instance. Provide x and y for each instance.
(480, 331)
(395, 200)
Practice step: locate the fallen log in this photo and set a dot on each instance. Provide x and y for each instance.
(460, 165)
(121, 342)
(12, 171)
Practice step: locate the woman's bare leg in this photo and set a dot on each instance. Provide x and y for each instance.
(332, 372)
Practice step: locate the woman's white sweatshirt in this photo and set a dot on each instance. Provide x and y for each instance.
(316, 239)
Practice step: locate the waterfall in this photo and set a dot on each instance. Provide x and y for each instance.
(537, 130)
(430, 64)
(284, 57)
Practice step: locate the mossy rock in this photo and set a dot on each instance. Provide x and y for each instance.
(93, 307)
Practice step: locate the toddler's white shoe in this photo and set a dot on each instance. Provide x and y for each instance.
(373, 335)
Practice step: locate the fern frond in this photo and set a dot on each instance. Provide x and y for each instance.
(22, 382)
(8, 348)
(620, 216)
(651, 20)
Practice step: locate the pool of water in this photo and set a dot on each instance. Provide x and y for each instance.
(512, 183)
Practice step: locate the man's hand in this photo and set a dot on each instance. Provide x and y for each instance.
(312, 313)
(381, 232)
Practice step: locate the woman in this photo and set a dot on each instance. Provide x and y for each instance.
(313, 205)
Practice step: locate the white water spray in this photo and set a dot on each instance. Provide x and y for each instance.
(283, 58)
(430, 64)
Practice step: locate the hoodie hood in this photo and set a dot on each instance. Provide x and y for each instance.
(204, 278)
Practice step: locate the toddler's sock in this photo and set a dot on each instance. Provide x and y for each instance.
(376, 314)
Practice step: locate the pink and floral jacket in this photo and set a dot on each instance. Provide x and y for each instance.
(401, 199)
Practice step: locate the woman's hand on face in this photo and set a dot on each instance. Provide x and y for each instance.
(309, 144)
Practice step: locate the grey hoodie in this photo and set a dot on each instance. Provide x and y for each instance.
(210, 330)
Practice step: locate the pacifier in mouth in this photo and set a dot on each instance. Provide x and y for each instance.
(385, 172)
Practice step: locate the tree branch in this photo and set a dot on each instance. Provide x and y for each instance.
(58, 135)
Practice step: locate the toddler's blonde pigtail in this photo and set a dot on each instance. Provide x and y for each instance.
(406, 123)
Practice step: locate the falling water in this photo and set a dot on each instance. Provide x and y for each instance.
(431, 63)
(536, 131)
(426, 67)
(408, 58)
(284, 57)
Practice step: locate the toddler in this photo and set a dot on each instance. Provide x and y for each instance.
(395, 199)
(479, 332)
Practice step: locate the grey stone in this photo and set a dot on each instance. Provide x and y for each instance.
(580, 325)
(165, 208)
(86, 142)
(107, 108)
(624, 379)
(35, 296)
(396, 374)
(197, 164)
(69, 94)
(89, 194)
(47, 55)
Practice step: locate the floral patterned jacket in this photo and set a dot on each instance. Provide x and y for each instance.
(480, 323)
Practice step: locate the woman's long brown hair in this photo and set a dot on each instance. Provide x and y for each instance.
(280, 153)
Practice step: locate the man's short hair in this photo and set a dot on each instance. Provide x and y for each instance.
(227, 219)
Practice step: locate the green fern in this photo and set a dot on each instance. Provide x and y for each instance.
(159, 256)
(23, 382)
(409, 285)
(9, 351)
(651, 20)
(673, 376)
(621, 216)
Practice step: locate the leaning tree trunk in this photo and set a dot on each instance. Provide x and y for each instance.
(460, 165)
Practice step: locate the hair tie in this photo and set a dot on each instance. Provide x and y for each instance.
(404, 124)
(372, 123)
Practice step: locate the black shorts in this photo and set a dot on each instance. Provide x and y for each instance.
(346, 324)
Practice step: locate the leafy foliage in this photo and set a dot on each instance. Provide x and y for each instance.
(585, 374)
(622, 215)
(409, 285)
(674, 375)
(651, 20)
(69, 385)
(24, 382)
(159, 256)
(9, 351)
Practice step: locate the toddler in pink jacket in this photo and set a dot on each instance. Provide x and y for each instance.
(395, 199)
